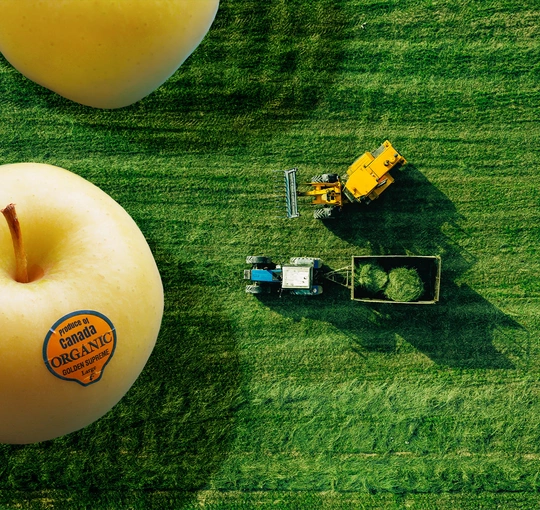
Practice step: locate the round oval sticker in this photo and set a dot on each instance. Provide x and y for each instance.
(79, 345)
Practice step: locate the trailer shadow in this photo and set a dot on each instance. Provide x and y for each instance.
(458, 332)
(461, 330)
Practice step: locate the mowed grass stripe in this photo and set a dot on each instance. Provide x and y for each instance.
(398, 474)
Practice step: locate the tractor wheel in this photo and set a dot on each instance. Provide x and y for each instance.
(325, 178)
(254, 259)
(316, 290)
(300, 261)
(254, 289)
(325, 213)
(330, 177)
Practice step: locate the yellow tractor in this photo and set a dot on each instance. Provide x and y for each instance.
(364, 182)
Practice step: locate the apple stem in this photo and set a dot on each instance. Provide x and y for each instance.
(21, 264)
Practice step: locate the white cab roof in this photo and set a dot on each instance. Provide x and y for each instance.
(296, 277)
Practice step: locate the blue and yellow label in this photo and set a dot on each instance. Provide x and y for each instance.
(79, 345)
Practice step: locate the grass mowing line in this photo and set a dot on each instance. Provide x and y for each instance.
(287, 500)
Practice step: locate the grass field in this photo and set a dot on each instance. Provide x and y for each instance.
(323, 402)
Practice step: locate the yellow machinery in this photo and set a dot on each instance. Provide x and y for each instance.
(364, 181)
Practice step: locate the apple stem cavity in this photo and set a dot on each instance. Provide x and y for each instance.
(21, 264)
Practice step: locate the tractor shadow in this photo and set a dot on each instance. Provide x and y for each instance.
(419, 219)
(459, 331)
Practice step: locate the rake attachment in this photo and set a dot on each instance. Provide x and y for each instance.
(290, 194)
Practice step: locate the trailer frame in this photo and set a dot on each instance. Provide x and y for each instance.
(428, 266)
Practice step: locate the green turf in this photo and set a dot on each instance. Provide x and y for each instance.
(323, 402)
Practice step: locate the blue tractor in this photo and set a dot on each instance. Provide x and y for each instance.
(299, 277)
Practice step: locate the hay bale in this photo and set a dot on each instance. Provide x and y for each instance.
(404, 284)
(371, 277)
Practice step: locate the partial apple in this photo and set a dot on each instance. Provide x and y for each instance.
(102, 53)
(81, 302)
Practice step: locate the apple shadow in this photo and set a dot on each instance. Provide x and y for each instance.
(261, 68)
(263, 58)
(261, 65)
(169, 433)
(461, 330)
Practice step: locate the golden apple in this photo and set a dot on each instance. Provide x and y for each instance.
(102, 53)
(81, 302)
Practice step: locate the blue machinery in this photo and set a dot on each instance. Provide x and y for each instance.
(299, 277)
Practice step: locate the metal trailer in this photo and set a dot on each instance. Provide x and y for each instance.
(428, 268)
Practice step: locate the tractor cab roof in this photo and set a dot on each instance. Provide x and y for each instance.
(297, 277)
